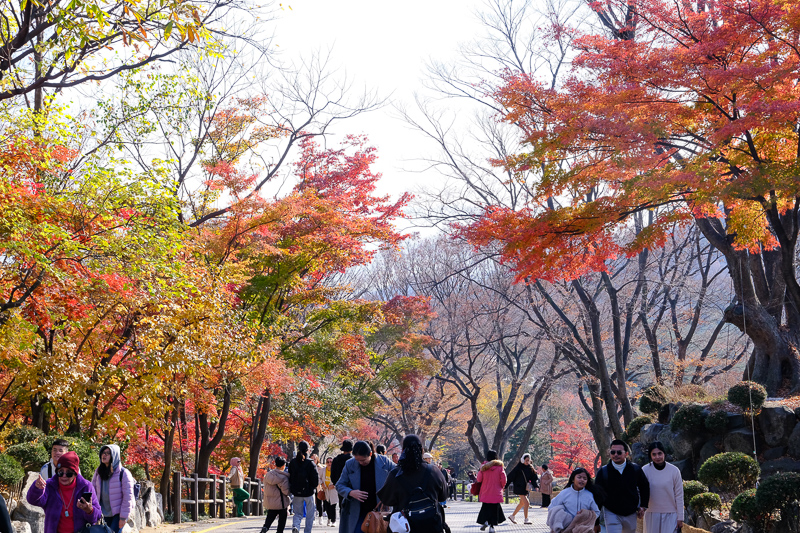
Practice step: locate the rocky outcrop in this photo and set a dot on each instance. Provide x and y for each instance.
(25, 512)
(739, 440)
(793, 447)
(152, 513)
(21, 527)
(776, 440)
(776, 423)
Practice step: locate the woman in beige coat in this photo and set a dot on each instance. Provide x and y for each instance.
(276, 495)
(331, 496)
(546, 486)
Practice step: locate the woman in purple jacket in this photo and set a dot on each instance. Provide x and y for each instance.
(113, 485)
(65, 498)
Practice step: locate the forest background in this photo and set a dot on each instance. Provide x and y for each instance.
(197, 263)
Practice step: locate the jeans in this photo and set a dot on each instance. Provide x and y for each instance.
(271, 514)
(113, 523)
(298, 512)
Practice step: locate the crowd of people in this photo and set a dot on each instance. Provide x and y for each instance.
(413, 491)
(409, 489)
(72, 502)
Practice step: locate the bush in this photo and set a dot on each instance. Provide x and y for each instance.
(30, 455)
(717, 422)
(730, 472)
(137, 471)
(745, 509)
(742, 393)
(87, 453)
(687, 418)
(692, 489)
(24, 435)
(706, 502)
(653, 399)
(691, 393)
(635, 427)
(776, 492)
(11, 472)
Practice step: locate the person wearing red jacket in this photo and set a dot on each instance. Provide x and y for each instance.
(492, 477)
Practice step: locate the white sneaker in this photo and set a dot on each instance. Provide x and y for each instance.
(491, 529)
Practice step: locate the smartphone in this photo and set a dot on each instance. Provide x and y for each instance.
(87, 497)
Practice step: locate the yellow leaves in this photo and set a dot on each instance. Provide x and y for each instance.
(748, 222)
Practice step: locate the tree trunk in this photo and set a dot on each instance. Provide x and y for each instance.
(775, 360)
(211, 434)
(169, 441)
(258, 431)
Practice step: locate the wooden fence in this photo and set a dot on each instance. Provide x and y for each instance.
(218, 490)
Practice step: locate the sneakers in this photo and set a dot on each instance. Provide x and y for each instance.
(527, 522)
(491, 529)
(329, 523)
(511, 518)
(295, 530)
(484, 526)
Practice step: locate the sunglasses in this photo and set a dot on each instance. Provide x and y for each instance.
(65, 473)
(617, 452)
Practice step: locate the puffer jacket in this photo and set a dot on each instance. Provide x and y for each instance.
(276, 489)
(120, 486)
(492, 478)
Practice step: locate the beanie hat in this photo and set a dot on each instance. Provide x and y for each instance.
(69, 460)
(347, 446)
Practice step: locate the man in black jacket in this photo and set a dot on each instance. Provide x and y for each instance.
(627, 491)
(337, 466)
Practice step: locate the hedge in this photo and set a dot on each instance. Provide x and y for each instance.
(730, 472)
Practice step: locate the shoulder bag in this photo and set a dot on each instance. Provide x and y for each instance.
(375, 521)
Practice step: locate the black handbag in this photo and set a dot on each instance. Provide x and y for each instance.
(99, 527)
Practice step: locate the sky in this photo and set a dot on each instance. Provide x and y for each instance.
(383, 46)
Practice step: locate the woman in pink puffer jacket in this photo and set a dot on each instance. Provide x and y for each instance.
(113, 485)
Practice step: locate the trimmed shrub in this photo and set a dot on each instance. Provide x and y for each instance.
(635, 427)
(24, 435)
(11, 472)
(687, 418)
(717, 422)
(30, 455)
(653, 399)
(692, 489)
(706, 502)
(741, 394)
(730, 472)
(778, 491)
(137, 471)
(87, 453)
(745, 509)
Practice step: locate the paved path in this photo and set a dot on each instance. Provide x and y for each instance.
(460, 517)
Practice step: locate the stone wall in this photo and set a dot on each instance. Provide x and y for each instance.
(776, 437)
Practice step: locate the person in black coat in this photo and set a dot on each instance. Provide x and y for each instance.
(412, 472)
(5, 518)
(338, 462)
(519, 479)
(626, 490)
(303, 481)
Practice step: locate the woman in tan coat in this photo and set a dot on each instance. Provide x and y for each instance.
(546, 486)
(276, 495)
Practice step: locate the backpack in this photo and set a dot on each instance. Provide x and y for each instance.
(421, 511)
(136, 486)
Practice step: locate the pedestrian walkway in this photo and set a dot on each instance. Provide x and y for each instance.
(460, 517)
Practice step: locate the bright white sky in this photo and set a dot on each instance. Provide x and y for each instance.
(383, 46)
